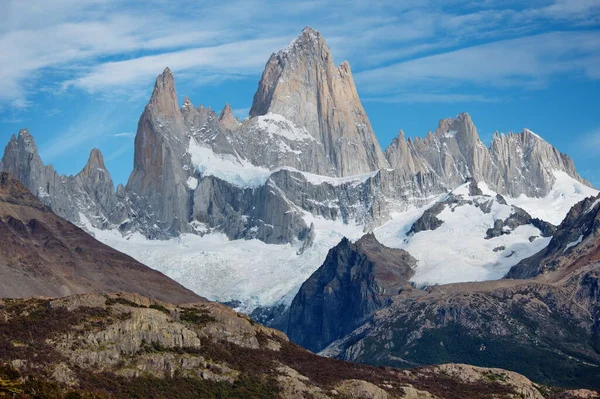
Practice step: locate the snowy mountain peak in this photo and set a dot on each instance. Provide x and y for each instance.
(308, 38)
(302, 84)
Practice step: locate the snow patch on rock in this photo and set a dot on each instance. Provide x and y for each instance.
(226, 167)
(574, 243)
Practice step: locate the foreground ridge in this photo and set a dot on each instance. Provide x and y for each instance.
(125, 345)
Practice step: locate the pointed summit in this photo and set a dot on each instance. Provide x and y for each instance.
(95, 160)
(26, 141)
(164, 97)
(302, 84)
(227, 119)
(309, 39)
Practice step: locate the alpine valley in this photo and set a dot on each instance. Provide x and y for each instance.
(437, 250)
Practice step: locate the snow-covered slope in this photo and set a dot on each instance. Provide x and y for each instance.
(259, 274)
(249, 271)
(462, 248)
(553, 208)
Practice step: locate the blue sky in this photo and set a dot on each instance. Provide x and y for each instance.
(78, 73)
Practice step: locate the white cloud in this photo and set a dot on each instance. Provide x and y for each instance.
(409, 98)
(125, 134)
(527, 61)
(98, 44)
(238, 58)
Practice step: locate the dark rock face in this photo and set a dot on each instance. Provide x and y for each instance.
(43, 254)
(518, 218)
(355, 280)
(576, 241)
(429, 220)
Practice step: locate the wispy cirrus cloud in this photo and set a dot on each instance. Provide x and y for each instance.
(238, 58)
(124, 134)
(101, 45)
(529, 61)
(411, 98)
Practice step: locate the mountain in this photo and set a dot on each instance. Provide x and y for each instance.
(42, 254)
(126, 345)
(513, 165)
(544, 325)
(355, 280)
(302, 84)
(476, 233)
(287, 183)
(89, 194)
(575, 243)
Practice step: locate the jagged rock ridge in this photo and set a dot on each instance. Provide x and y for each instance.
(90, 193)
(306, 116)
(514, 164)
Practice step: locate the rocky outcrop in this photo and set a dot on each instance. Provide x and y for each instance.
(302, 84)
(43, 254)
(429, 219)
(126, 345)
(355, 280)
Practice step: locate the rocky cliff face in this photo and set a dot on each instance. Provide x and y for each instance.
(159, 179)
(125, 345)
(355, 280)
(526, 162)
(302, 84)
